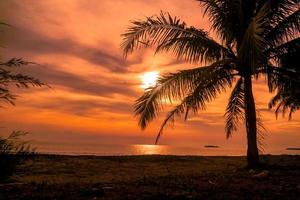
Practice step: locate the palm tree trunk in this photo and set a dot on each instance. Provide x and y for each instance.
(250, 117)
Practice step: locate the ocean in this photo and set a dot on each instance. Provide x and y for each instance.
(146, 149)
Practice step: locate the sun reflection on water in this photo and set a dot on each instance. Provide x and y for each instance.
(148, 149)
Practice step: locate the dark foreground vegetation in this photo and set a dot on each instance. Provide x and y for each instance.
(153, 177)
(13, 152)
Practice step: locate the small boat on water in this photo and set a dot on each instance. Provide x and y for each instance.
(211, 146)
(292, 148)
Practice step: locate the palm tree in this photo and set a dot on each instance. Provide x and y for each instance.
(9, 77)
(288, 92)
(253, 35)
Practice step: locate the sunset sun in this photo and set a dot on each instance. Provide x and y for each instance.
(149, 79)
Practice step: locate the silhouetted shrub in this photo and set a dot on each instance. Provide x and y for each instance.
(13, 152)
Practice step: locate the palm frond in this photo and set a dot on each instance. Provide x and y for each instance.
(235, 108)
(208, 87)
(16, 62)
(20, 80)
(169, 33)
(286, 30)
(174, 87)
(278, 75)
(284, 49)
(280, 9)
(9, 78)
(261, 132)
(195, 49)
(287, 82)
(177, 111)
(286, 100)
(251, 49)
(225, 17)
(6, 96)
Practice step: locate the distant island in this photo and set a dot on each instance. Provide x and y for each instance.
(211, 146)
(291, 148)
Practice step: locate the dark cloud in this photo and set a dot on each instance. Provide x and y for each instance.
(36, 44)
(54, 77)
(82, 107)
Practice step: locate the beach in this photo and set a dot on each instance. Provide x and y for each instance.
(153, 177)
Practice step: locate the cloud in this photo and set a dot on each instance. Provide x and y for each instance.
(82, 107)
(37, 44)
(79, 84)
(207, 119)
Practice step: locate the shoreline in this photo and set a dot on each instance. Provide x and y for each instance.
(155, 155)
(146, 149)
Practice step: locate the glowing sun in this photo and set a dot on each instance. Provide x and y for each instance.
(149, 79)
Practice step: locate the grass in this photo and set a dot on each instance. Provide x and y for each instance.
(152, 177)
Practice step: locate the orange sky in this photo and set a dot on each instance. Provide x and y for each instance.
(77, 44)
